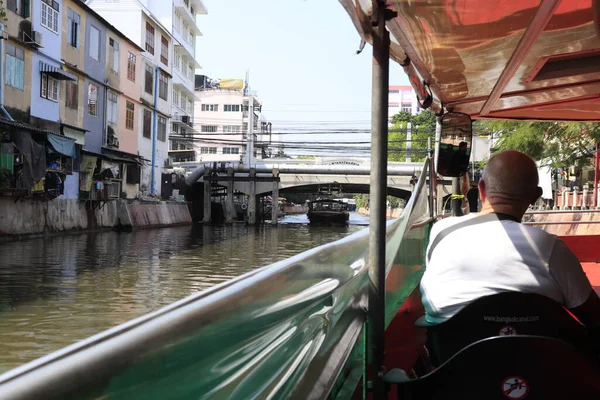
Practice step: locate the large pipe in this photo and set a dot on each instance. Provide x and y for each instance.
(393, 170)
(377, 222)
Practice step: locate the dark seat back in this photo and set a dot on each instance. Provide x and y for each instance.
(504, 314)
(513, 367)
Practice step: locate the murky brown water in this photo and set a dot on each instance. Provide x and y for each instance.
(59, 290)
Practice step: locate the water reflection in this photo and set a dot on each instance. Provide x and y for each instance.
(58, 290)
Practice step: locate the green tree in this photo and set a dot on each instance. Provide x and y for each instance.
(422, 128)
(559, 144)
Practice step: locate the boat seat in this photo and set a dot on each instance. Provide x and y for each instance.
(503, 314)
(513, 367)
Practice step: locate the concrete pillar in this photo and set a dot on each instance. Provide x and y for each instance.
(229, 207)
(207, 194)
(275, 201)
(565, 198)
(584, 203)
(252, 198)
(575, 198)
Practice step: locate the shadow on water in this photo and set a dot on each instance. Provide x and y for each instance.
(57, 290)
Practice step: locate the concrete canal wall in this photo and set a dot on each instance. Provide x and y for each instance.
(25, 218)
(566, 223)
(390, 213)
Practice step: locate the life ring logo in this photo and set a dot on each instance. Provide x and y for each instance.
(507, 331)
(515, 387)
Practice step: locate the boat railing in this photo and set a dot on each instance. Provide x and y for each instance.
(294, 329)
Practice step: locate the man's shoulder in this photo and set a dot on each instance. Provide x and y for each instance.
(444, 223)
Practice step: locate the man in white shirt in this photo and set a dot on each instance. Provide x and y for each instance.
(499, 254)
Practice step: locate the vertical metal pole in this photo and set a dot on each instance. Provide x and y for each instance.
(153, 172)
(378, 182)
(252, 198)
(596, 175)
(275, 198)
(207, 197)
(456, 202)
(229, 206)
(250, 139)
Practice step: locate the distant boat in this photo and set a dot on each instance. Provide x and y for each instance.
(328, 212)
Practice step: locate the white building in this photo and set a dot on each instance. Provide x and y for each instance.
(221, 113)
(402, 98)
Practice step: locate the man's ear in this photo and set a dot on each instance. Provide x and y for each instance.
(538, 194)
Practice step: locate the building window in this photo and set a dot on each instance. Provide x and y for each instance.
(174, 128)
(162, 129)
(19, 7)
(208, 128)
(93, 100)
(190, 72)
(177, 22)
(73, 28)
(231, 129)
(210, 107)
(112, 107)
(164, 50)
(190, 106)
(149, 38)
(231, 107)
(131, 67)
(208, 150)
(72, 94)
(15, 66)
(406, 107)
(49, 88)
(175, 97)
(394, 91)
(231, 150)
(94, 50)
(129, 115)
(115, 54)
(163, 85)
(149, 81)
(49, 18)
(392, 105)
(178, 62)
(147, 127)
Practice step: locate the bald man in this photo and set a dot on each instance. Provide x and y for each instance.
(503, 255)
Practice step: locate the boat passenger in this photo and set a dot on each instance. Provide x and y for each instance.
(489, 252)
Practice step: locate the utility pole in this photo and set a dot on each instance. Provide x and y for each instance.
(250, 132)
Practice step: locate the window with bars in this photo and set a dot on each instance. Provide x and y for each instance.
(73, 28)
(208, 128)
(164, 50)
(72, 94)
(49, 89)
(231, 150)
(163, 85)
(149, 79)
(147, 124)
(129, 115)
(231, 108)
(93, 100)
(162, 129)
(49, 17)
(210, 107)
(149, 38)
(114, 56)
(231, 129)
(131, 67)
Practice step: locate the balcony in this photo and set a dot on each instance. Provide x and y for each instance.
(183, 119)
(188, 9)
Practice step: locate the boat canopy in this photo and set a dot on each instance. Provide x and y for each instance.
(525, 59)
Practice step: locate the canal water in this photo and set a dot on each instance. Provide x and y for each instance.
(58, 290)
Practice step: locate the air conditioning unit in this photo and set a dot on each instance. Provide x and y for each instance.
(37, 37)
(185, 119)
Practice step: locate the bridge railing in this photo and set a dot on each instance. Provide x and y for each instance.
(294, 329)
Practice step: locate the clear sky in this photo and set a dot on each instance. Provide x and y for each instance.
(302, 59)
